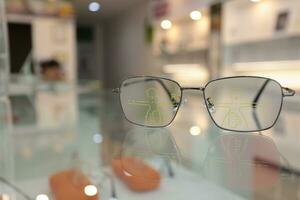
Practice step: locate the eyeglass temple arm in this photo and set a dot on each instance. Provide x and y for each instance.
(6, 182)
(287, 92)
(116, 90)
(113, 191)
(175, 104)
(258, 95)
(256, 119)
(285, 170)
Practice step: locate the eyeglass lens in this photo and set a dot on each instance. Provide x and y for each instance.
(150, 102)
(244, 104)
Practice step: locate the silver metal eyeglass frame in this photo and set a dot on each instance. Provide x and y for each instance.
(286, 92)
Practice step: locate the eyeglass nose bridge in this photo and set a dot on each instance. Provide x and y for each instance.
(193, 88)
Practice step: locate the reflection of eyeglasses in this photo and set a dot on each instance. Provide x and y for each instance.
(242, 103)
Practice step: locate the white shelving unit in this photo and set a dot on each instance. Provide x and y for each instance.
(178, 40)
(253, 45)
(186, 44)
(52, 38)
(247, 22)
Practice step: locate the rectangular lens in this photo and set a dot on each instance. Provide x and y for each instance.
(149, 101)
(244, 104)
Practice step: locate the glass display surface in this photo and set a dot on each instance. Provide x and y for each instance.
(106, 157)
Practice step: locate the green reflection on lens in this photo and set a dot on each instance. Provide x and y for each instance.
(153, 112)
(234, 116)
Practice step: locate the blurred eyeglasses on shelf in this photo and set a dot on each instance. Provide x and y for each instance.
(240, 104)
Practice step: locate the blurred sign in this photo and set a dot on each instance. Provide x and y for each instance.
(62, 8)
(160, 8)
(175, 8)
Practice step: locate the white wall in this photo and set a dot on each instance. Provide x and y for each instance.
(126, 52)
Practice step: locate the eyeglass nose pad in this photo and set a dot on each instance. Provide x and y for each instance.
(211, 106)
(184, 101)
(175, 107)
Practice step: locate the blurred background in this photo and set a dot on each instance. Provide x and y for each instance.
(60, 59)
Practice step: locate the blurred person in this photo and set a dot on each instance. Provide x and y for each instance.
(51, 70)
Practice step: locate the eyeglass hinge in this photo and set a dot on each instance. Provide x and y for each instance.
(287, 92)
(116, 90)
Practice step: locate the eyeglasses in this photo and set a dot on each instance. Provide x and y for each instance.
(241, 104)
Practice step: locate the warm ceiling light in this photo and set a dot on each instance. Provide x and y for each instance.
(195, 130)
(5, 197)
(166, 24)
(90, 190)
(196, 15)
(94, 6)
(42, 197)
(255, 1)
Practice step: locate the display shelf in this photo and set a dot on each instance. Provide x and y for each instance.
(258, 40)
(177, 9)
(185, 51)
(29, 18)
(286, 72)
(20, 89)
(30, 87)
(19, 18)
(49, 107)
(34, 129)
(176, 40)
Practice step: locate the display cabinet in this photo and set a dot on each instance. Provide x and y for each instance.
(267, 45)
(6, 162)
(179, 52)
(192, 155)
(4, 67)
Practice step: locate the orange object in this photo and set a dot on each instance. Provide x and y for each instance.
(136, 174)
(69, 185)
